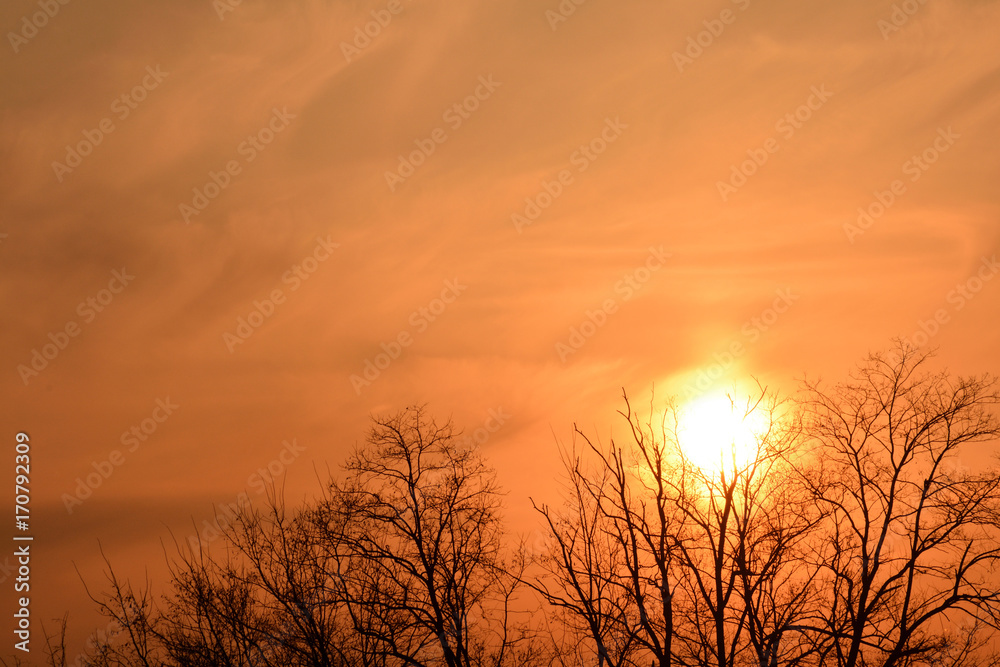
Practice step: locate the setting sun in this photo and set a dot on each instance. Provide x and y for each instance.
(715, 433)
(558, 333)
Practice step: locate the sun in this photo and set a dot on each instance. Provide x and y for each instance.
(715, 434)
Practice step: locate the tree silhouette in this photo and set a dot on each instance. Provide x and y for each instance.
(661, 560)
(911, 539)
(415, 531)
(399, 563)
(849, 537)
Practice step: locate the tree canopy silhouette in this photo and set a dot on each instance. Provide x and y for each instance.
(850, 537)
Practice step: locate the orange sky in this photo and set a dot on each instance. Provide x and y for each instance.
(678, 184)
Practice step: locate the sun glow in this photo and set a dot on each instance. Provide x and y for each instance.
(715, 434)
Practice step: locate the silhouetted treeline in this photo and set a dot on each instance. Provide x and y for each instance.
(852, 537)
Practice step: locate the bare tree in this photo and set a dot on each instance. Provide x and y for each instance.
(584, 564)
(264, 601)
(415, 530)
(54, 649)
(847, 536)
(132, 615)
(661, 560)
(400, 563)
(912, 539)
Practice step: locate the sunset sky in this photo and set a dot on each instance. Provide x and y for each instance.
(524, 206)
